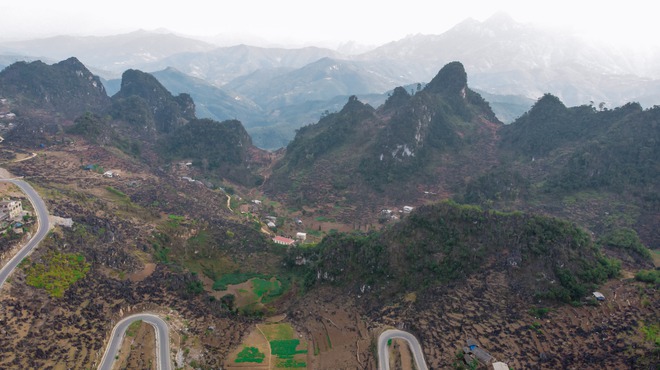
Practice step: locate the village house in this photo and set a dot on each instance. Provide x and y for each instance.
(473, 352)
(283, 241)
(301, 236)
(11, 208)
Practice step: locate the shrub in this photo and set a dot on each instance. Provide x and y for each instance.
(648, 276)
(57, 272)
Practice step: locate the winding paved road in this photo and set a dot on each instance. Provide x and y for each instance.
(162, 331)
(117, 336)
(413, 343)
(42, 230)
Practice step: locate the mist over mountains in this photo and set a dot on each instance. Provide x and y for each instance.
(405, 199)
(274, 91)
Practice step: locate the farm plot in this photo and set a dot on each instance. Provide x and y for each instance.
(287, 351)
(253, 353)
(250, 293)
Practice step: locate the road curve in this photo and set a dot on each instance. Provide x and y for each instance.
(117, 336)
(162, 331)
(42, 216)
(413, 343)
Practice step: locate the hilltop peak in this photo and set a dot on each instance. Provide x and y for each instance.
(399, 97)
(72, 62)
(499, 19)
(169, 111)
(450, 80)
(353, 104)
(67, 87)
(547, 102)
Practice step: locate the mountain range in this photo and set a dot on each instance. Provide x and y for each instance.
(514, 63)
(416, 145)
(419, 206)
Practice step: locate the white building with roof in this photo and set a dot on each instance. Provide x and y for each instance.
(11, 208)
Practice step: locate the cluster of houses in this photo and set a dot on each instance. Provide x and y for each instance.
(271, 222)
(11, 212)
(387, 214)
(99, 169)
(300, 237)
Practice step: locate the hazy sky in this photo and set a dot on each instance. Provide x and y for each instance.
(365, 21)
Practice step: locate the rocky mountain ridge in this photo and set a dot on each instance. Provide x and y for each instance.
(502, 56)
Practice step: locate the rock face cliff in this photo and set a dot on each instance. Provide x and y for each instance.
(408, 142)
(67, 88)
(156, 107)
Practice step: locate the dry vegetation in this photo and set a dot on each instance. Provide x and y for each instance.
(114, 222)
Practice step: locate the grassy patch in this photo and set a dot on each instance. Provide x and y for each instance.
(648, 276)
(116, 192)
(290, 363)
(277, 331)
(57, 272)
(250, 354)
(313, 232)
(261, 287)
(284, 345)
(539, 312)
(652, 333)
(201, 240)
(627, 239)
(210, 266)
(235, 279)
(173, 221)
(132, 329)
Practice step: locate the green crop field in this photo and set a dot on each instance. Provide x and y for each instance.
(286, 348)
(250, 354)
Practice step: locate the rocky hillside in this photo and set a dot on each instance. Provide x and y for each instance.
(542, 257)
(443, 141)
(218, 148)
(410, 142)
(159, 110)
(143, 119)
(612, 149)
(67, 88)
(596, 166)
(168, 125)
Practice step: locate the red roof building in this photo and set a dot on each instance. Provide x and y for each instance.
(282, 240)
